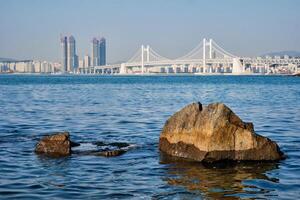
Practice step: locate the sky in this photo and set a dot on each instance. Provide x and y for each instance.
(31, 29)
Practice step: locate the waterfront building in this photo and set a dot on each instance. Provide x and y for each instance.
(87, 61)
(12, 66)
(69, 58)
(277, 57)
(37, 66)
(3, 68)
(98, 52)
(72, 61)
(17, 66)
(268, 57)
(64, 46)
(102, 51)
(95, 52)
(81, 64)
(21, 67)
(29, 67)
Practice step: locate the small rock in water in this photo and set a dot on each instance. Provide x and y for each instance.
(58, 144)
(214, 133)
(112, 153)
(113, 144)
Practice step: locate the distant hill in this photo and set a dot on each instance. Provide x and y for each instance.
(7, 59)
(282, 53)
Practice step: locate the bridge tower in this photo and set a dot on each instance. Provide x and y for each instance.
(148, 53)
(205, 44)
(204, 54)
(142, 57)
(143, 50)
(210, 48)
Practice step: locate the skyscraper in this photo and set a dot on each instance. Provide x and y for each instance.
(95, 52)
(69, 57)
(87, 61)
(63, 42)
(72, 62)
(102, 51)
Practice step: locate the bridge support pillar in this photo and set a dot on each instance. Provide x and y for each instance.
(123, 69)
(210, 48)
(142, 56)
(204, 55)
(237, 67)
(148, 53)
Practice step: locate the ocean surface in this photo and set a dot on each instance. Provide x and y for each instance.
(134, 109)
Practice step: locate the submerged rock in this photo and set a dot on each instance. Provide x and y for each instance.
(101, 148)
(112, 144)
(213, 133)
(111, 153)
(58, 144)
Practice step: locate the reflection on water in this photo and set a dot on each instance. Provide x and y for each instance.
(219, 180)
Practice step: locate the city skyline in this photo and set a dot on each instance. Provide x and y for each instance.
(172, 27)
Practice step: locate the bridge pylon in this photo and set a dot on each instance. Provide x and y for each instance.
(123, 69)
(205, 44)
(142, 58)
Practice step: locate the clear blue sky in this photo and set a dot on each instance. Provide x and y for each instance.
(31, 28)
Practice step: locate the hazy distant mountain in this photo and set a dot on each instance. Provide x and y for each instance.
(7, 59)
(282, 53)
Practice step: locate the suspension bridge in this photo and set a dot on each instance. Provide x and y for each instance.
(206, 58)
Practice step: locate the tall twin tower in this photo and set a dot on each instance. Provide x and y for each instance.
(70, 59)
(98, 52)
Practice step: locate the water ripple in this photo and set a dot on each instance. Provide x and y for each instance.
(134, 109)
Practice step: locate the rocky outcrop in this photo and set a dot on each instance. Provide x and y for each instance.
(58, 144)
(213, 133)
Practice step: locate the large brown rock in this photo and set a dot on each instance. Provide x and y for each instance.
(213, 133)
(58, 144)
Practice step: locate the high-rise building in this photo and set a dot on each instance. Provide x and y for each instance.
(102, 51)
(72, 61)
(98, 51)
(87, 61)
(37, 66)
(81, 63)
(64, 63)
(95, 52)
(69, 57)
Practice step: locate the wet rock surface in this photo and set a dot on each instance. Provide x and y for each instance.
(59, 144)
(214, 133)
(101, 148)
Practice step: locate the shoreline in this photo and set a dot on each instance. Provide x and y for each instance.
(150, 74)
